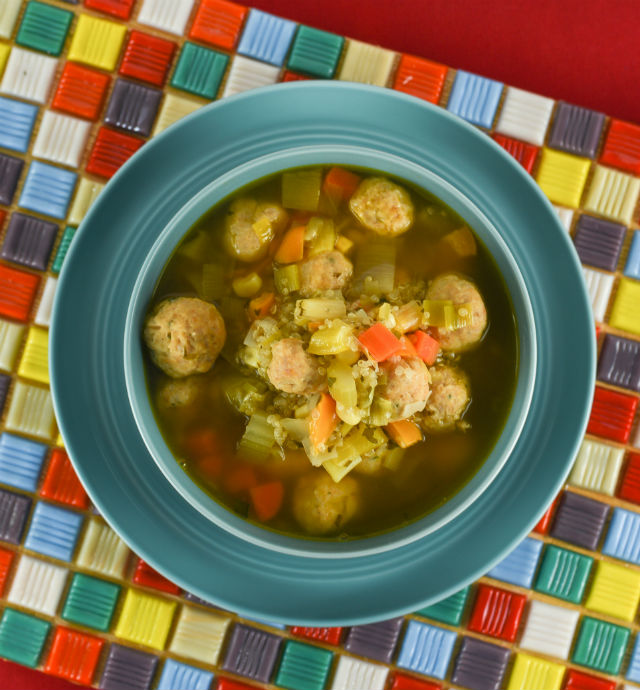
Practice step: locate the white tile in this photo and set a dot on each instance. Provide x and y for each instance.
(525, 116)
(167, 15)
(37, 585)
(10, 340)
(599, 287)
(87, 192)
(549, 629)
(9, 10)
(246, 74)
(28, 75)
(565, 215)
(597, 467)
(353, 674)
(174, 108)
(43, 315)
(102, 550)
(61, 138)
(31, 412)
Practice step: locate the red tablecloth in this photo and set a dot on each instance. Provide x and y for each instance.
(581, 51)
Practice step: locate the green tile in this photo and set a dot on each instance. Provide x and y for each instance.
(303, 667)
(44, 28)
(315, 52)
(448, 610)
(199, 70)
(601, 645)
(22, 637)
(63, 248)
(90, 601)
(563, 574)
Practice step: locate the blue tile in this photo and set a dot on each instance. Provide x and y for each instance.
(266, 37)
(47, 189)
(633, 672)
(623, 537)
(427, 649)
(632, 267)
(176, 676)
(475, 98)
(20, 461)
(16, 124)
(519, 566)
(53, 531)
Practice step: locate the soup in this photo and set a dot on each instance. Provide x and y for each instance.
(331, 352)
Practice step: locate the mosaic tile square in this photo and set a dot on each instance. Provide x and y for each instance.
(630, 486)
(10, 342)
(245, 74)
(315, 52)
(549, 629)
(615, 591)
(199, 70)
(447, 610)
(5, 49)
(328, 635)
(475, 98)
(102, 550)
(525, 154)
(10, 170)
(44, 27)
(167, 15)
(63, 248)
(426, 649)
(80, 91)
(53, 531)
(366, 64)
(218, 23)
(497, 612)
(612, 194)
(622, 147)
(136, 667)
(625, 313)
(90, 602)
(252, 653)
(402, 682)
(599, 287)
(376, 640)
(61, 483)
(353, 674)
(566, 216)
(563, 573)
(612, 415)
(28, 241)
(61, 139)
(8, 16)
(28, 75)
(579, 520)
(266, 37)
(576, 680)
(480, 665)
(519, 566)
(174, 108)
(600, 645)
(525, 116)
(632, 266)
(16, 124)
(47, 189)
(96, 42)
(146, 576)
(303, 667)
(37, 585)
(145, 619)
(86, 193)
(576, 130)
(133, 107)
(421, 78)
(14, 509)
(623, 536)
(6, 559)
(22, 637)
(532, 672)
(177, 676)
(31, 412)
(73, 655)
(110, 151)
(20, 461)
(619, 362)
(121, 9)
(597, 467)
(147, 58)
(562, 177)
(633, 670)
(599, 242)
(199, 634)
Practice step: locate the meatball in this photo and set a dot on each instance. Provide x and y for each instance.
(293, 370)
(407, 386)
(185, 336)
(241, 239)
(450, 395)
(179, 392)
(450, 286)
(325, 271)
(382, 206)
(322, 506)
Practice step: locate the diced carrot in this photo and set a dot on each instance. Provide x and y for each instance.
(340, 183)
(240, 479)
(407, 348)
(426, 346)
(323, 420)
(201, 443)
(260, 306)
(404, 433)
(380, 342)
(291, 248)
(210, 466)
(266, 500)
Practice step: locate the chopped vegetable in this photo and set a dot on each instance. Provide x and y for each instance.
(408, 317)
(210, 466)
(348, 356)
(263, 228)
(319, 309)
(344, 244)
(201, 443)
(407, 349)
(376, 266)
(439, 313)
(404, 433)
(338, 469)
(291, 248)
(425, 346)
(213, 282)
(392, 458)
(247, 286)
(332, 340)
(323, 421)
(340, 183)
(355, 445)
(381, 411)
(261, 305)
(461, 242)
(287, 279)
(301, 189)
(247, 395)
(240, 479)
(266, 500)
(379, 342)
(258, 439)
(322, 234)
(342, 384)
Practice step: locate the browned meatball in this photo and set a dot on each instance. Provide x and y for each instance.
(326, 271)
(322, 506)
(293, 370)
(450, 395)
(450, 286)
(240, 237)
(185, 336)
(179, 392)
(382, 206)
(407, 386)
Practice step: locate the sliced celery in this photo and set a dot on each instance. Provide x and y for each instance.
(258, 439)
(287, 279)
(297, 429)
(340, 469)
(323, 235)
(245, 394)
(376, 267)
(342, 384)
(247, 286)
(301, 189)
(331, 340)
(439, 313)
(381, 411)
(319, 309)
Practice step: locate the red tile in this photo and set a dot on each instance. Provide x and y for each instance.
(146, 576)
(419, 77)
(218, 22)
(147, 58)
(543, 524)
(622, 146)
(110, 151)
(80, 91)
(228, 684)
(525, 154)
(293, 76)
(402, 682)
(6, 557)
(116, 8)
(61, 482)
(612, 415)
(497, 612)
(630, 486)
(328, 635)
(73, 655)
(17, 292)
(576, 680)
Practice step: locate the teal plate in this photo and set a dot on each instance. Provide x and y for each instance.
(87, 371)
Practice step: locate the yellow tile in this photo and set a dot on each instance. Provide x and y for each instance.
(531, 672)
(199, 635)
(97, 42)
(31, 412)
(102, 550)
(10, 339)
(5, 49)
(34, 363)
(173, 109)
(562, 176)
(60, 440)
(613, 194)
(615, 591)
(625, 313)
(367, 64)
(145, 619)
(87, 192)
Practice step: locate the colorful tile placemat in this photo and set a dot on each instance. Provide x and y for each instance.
(81, 89)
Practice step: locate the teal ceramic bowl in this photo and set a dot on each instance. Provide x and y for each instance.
(100, 395)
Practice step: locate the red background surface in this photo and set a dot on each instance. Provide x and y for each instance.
(581, 51)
